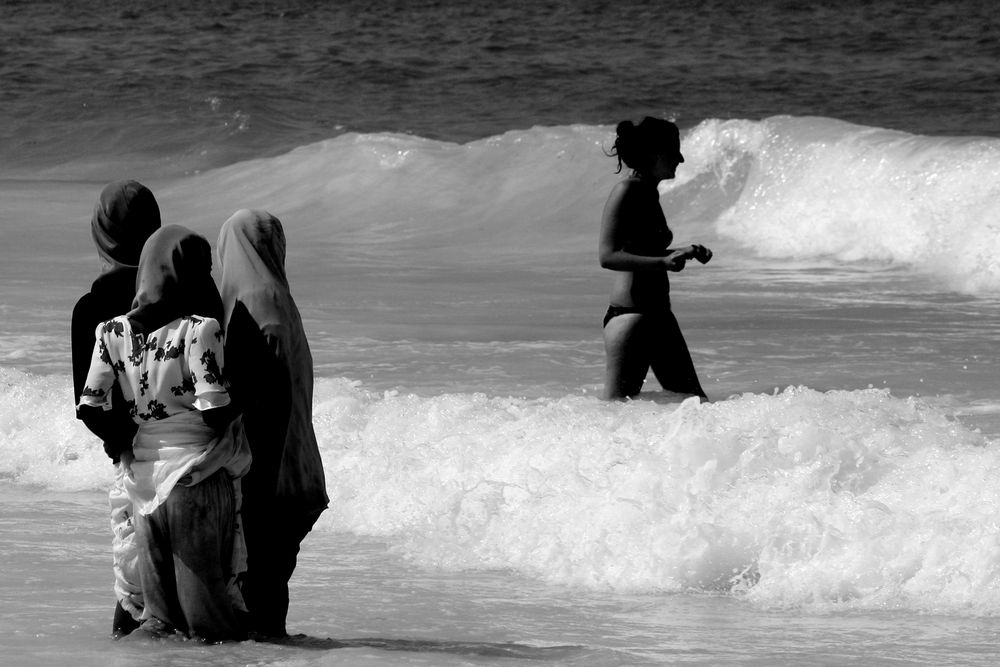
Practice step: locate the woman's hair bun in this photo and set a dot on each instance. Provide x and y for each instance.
(625, 128)
(636, 146)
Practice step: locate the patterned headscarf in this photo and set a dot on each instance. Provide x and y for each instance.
(175, 279)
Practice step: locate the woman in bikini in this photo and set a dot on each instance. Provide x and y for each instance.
(640, 331)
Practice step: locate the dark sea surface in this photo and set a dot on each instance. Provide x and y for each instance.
(199, 84)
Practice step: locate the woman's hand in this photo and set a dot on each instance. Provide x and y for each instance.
(675, 261)
(127, 457)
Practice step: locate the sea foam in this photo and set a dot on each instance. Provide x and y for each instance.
(795, 498)
(804, 188)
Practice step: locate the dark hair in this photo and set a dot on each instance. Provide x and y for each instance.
(638, 145)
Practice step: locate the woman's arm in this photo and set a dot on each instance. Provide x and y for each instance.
(82, 343)
(610, 249)
(206, 359)
(268, 432)
(696, 251)
(219, 418)
(101, 405)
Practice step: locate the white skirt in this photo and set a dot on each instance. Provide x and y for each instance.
(181, 449)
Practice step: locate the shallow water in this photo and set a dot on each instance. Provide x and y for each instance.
(358, 602)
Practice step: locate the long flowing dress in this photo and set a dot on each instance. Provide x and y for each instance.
(125, 215)
(272, 379)
(169, 368)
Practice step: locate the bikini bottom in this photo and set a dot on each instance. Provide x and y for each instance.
(615, 311)
(665, 350)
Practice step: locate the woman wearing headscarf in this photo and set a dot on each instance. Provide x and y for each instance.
(166, 357)
(125, 215)
(272, 379)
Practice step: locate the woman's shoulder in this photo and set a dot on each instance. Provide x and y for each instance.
(86, 315)
(85, 306)
(628, 198)
(99, 304)
(199, 320)
(116, 327)
(627, 184)
(629, 189)
(201, 325)
(193, 321)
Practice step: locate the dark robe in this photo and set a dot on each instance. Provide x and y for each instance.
(125, 215)
(271, 376)
(110, 296)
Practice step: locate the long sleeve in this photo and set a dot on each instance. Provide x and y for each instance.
(81, 343)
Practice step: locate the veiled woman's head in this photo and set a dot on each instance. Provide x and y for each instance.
(252, 242)
(175, 279)
(126, 214)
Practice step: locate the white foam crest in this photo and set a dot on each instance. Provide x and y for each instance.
(42, 444)
(821, 188)
(797, 498)
(800, 498)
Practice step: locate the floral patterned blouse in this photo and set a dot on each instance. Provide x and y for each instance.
(174, 369)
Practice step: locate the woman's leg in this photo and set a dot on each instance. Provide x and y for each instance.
(626, 356)
(125, 558)
(161, 612)
(267, 526)
(202, 524)
(272, 555)
(670, 359)
(185, 554)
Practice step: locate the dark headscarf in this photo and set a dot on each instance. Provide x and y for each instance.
(125, 215)
(175, 279)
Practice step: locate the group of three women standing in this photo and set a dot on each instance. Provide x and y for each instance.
(204, 402)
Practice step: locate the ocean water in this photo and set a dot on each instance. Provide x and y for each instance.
(439, 170)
